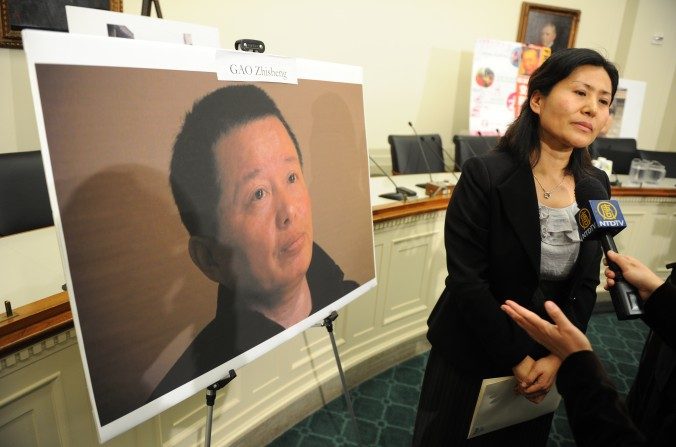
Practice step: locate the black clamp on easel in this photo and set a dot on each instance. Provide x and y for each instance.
(328, 324)
(211, 398)
(250, 45)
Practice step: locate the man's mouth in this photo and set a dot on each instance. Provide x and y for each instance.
(294, 245)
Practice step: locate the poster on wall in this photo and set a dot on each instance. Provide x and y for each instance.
(209, 204)
(499, 83)
(625, 111)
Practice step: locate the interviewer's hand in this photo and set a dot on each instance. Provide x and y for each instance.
(561, 338)
(634, 272)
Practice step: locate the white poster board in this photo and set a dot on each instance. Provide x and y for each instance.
(157, 319)
(625, 112)
(97, 22)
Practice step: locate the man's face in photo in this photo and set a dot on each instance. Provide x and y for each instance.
(548, 35)
(265, 215)
(529, 61)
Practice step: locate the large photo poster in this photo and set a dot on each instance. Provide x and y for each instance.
(202, 222)
(499, 84)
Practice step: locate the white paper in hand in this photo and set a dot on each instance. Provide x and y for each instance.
(498, 406)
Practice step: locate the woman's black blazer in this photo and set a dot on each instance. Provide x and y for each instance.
(492, 238)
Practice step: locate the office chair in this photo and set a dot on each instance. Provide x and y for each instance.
(24, 201)
(468, 146)
(407, 154)
(620, 150)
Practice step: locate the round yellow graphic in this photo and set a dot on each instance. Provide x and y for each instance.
(584, 218)
(606, 210)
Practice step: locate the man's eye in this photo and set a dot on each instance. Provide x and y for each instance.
(293, 177)
(259, 194)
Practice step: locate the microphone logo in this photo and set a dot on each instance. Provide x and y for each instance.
(606, 210)
(584, 218)
(600, 217)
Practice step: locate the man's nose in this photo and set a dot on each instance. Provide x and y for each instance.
(286, 208)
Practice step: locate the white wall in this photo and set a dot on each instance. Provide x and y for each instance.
(654, 64)
(416, 55)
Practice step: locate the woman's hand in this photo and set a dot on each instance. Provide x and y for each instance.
(542, 377)
(522, 370)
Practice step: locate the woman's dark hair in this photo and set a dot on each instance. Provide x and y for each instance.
(522, 136)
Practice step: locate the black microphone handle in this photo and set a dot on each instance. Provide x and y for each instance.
(624, 296)
(422, 151)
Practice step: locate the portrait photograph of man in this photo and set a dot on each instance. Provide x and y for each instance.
(203, 221)
(237, 179)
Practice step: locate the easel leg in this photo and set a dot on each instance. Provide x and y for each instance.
(328, 323)
(211, 398)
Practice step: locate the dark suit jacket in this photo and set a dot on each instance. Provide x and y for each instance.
(235, 330)
(492, 236)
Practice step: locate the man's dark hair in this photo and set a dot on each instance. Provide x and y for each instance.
(194, 178)
(522, 136)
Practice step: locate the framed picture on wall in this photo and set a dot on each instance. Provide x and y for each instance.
(17, 15)
(548, 26)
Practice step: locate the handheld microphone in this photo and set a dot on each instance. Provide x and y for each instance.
(400, 193)
(600, 219)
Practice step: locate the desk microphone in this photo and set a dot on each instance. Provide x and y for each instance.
(400, 193)
(440, 158)
(422, 152)
(432, 188)
(488, 146)
(600, 219)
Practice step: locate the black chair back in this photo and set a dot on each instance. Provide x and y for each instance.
(407, 154)
(24, 201)
(620, 150)
(468, 146)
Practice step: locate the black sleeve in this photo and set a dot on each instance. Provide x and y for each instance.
(660, 311)
(467, 239)
(597, 415)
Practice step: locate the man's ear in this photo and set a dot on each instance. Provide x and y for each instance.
(202, 254)
(536, 102)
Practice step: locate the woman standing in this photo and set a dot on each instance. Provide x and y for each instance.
(510, 233)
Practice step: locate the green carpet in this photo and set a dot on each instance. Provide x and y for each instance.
(385, 405)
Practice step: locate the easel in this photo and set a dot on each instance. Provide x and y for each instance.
(211, 398)
(328, 324)
(146, 6)
(257, 46)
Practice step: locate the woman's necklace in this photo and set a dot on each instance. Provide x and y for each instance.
(548, 194)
